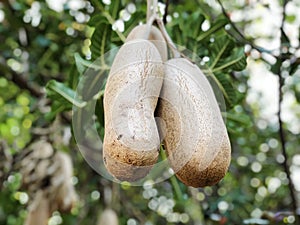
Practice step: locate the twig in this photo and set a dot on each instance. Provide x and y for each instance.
(284, 152)
(166, 11)
(281, 129)
(24, 84)
(173, 179)
(176, 53)
(242, 36)
(21, 82)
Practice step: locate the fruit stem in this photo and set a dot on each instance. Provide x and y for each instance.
(151, 9)
(176, 53)
(176, 187)
(173, 179)
(150, 21)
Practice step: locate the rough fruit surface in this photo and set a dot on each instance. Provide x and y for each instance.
(131, 140)
(196, 139)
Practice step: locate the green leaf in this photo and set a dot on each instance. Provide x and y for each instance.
(81, 64)
(191, 25)
(235, 62)
(224, 57)
(205, 9)
(177, 36)
(63, 94)
(220, 48)
(97, 4)
(100, 41)
(219, 24)
(239, 118)
(114, 8)
(96, 20)
(56, 108)
(73, 77)
(224, 83)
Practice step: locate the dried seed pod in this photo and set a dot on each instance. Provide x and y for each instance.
(196, 139)
(62, 191)
(131, 140)
(46, 177)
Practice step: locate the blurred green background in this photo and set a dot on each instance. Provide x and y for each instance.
(46, 46)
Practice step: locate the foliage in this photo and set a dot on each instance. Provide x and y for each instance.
(55, 49)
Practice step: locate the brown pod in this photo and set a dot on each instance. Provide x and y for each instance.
(131, 140)
(196, 138)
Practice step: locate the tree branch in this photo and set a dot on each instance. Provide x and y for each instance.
(279, 115)
(284, 152)
(281, 132)
(24, 84)
(21, 82)
(166, 12)
(242, 36)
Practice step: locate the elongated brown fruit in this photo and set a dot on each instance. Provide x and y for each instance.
(196, 139)
(131, 140)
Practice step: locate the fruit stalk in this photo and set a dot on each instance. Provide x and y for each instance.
(151, 8)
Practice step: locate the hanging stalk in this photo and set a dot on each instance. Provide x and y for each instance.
(151, 8)
(151, 17)
(176, 53)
